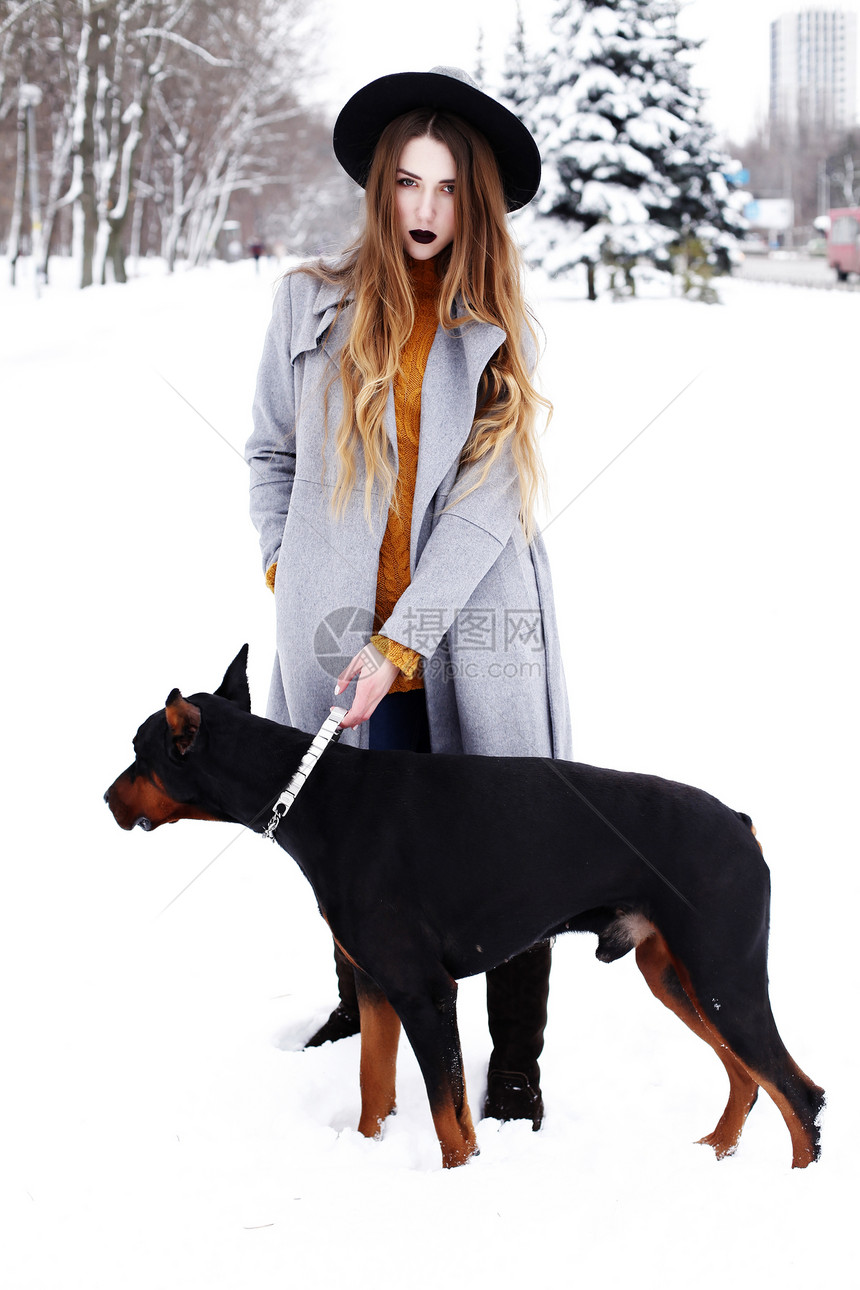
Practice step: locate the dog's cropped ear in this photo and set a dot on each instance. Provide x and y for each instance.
(235, 684)
(183, 718)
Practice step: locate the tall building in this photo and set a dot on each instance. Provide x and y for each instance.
(813, 70)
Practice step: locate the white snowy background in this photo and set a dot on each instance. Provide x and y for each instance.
(161, 1127)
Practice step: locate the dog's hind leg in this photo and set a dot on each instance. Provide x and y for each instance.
(744, 1023)
(380, 1034)
(740, 1026)
(655, 964)
(430, 1021)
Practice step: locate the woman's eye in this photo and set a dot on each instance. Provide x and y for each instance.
(406, 183)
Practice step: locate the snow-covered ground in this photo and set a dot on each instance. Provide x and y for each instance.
(162, 1127)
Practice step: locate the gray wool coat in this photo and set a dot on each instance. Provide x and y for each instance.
(479, 607)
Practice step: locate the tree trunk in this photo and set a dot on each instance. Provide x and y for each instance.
(84, 181)
(142, 186)
(18, 199)
(116, 255)
(592, 291)
(87, 215)
(62, 150)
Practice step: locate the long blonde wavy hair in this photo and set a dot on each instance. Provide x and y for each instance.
(482, 271)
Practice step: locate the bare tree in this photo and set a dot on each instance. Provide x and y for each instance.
(249, 111)
(841, 172)
(160, 111)
(17, 54)
(805, 165)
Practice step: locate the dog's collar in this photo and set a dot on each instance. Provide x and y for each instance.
(329, 733)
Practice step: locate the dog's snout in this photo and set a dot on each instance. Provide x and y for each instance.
(106, 797)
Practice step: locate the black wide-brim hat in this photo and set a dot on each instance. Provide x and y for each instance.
(446, 89)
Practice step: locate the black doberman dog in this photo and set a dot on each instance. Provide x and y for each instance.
(429, 869)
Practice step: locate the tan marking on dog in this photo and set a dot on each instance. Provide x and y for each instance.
(456, 1134)
(146, 796)
(654, 961)
(344, 952)
(803, 1146)
(183, 718)
(744, 1080)
(380, 1035)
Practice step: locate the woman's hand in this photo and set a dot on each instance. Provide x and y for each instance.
(376, 676)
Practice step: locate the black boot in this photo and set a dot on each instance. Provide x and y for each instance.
(517, 993)
(344, 1021)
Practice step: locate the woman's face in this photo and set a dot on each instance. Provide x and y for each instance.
(425, 197)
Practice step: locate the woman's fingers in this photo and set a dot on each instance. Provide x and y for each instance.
(365, 663)
(375, 674)
(351, 670)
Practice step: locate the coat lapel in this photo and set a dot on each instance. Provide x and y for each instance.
(311, 325)
(457, 360)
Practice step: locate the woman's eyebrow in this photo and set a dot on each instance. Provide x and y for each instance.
(402, 171)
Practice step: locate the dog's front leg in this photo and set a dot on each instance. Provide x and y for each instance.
(380, 1033)
(430, 1021)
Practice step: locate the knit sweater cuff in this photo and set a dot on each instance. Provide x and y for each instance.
(270, 576)
(400, 655)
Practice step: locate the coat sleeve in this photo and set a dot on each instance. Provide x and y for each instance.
(468, 537)
(271, 449)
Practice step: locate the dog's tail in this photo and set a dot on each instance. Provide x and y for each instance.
(748, 822)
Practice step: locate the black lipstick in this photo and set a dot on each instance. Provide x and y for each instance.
(422, 235)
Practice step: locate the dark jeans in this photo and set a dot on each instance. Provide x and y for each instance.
(400, 724)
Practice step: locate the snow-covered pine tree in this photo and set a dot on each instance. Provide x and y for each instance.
(703, 211)
(629, 167)
(522, 83)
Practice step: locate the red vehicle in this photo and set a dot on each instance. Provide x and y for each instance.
(843, 242)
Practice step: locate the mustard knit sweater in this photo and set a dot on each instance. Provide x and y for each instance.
(393, 576)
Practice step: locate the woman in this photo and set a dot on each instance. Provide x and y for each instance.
(394, 471)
